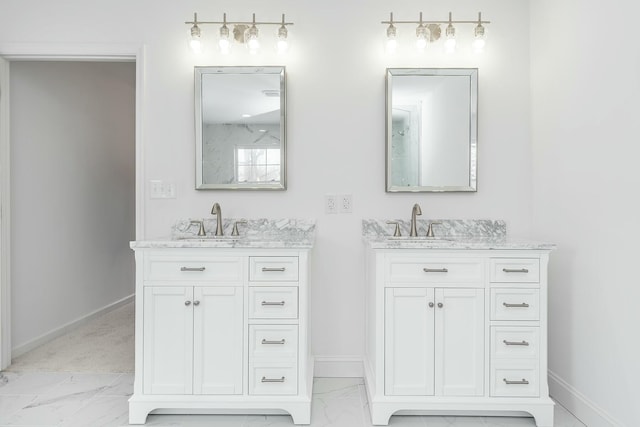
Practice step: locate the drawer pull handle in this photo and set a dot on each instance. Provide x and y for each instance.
(273, 268)
(272, 302)
(192, 268)
(515, 270)
(272, 380)
(282, 341)
(523, 342)
(521, 382)
(522, 305)
(435, 270)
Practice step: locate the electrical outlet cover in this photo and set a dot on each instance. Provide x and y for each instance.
(345, 203)
(330, 203)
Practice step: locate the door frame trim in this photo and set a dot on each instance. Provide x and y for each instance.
(57, 52)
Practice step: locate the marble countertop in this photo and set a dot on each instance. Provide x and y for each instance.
(450, 234)
(284, 233)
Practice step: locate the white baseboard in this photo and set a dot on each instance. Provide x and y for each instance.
(68, 327)
(578, 404)
(338, 367)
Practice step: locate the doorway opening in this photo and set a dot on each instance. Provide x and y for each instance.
(71, 207)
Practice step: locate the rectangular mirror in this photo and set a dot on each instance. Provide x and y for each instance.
(240, 128)
(431, 127)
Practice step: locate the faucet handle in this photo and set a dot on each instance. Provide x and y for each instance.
(430, 229)
(235, 232)
(396, 233)
(201, 231)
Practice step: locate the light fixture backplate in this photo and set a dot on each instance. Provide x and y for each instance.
(239, 31)
(434, 32)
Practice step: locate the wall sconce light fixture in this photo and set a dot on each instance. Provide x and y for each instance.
(244, 32)
(428, 32)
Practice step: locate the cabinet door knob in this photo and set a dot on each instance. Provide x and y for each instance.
(196, 302)
(431, 304)
(440, 305)
(187, 303)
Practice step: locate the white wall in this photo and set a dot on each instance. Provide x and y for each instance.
(585, 91)
(335, 78)
(72, 185)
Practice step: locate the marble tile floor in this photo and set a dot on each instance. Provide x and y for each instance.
(100, 400)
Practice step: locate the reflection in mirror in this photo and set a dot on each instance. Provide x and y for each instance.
(240, 128)
(431, 129)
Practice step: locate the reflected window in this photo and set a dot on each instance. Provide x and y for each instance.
(257, 164)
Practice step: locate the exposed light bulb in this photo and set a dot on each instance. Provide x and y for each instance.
(224, 43)
(282, 45)
(422, 37)
(252, 39)
(195, 42)
(450, 40)
(392, 42)
(479, 39)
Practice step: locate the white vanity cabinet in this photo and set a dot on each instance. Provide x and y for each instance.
(192, 340)
(456, 331)
(222, 331)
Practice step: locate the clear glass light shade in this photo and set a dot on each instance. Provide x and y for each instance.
(450, 39)
(282, 44)
(224, 43)
(195, 43)
(252, 39)
(479, 39)
(391, 43)
(422, 37)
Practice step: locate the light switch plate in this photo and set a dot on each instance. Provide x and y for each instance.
(159, 189)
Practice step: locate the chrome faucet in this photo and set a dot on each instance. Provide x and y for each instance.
(415, 211)
(215, 210)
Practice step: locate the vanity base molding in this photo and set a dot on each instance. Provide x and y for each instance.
(457, 332)
(382, 408)
(299, 407)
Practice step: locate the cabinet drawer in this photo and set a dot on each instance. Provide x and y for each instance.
(515, 304)
(273, 379)
(515, 379)
(514, 342)
(515, 270)
(270, 302)
(273, 269)
(403, 269)
(273, 343)
(192, 269)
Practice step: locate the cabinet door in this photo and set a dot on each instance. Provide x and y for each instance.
(459, 341)
(409, 339)
(168, 340)
(218, 339)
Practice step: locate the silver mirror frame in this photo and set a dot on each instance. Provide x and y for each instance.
(473, 131)
(199, 72)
